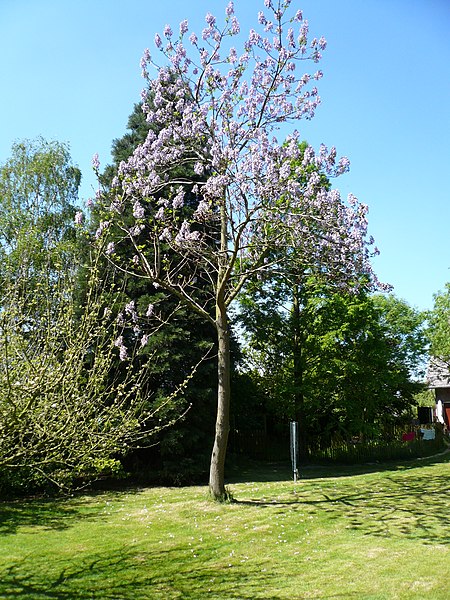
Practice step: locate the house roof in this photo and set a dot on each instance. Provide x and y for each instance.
(438, 373)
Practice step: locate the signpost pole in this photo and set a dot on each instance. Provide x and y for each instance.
(294, 448)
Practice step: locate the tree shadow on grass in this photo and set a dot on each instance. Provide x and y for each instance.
(53, 513)
(395, 505)
(129, 574)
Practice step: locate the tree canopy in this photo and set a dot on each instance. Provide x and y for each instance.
(38, 196)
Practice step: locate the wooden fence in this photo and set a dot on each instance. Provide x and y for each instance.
(259, 445)
(378, 451)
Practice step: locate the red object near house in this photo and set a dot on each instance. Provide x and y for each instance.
(408, 437)
(447, 414)
(439, 379)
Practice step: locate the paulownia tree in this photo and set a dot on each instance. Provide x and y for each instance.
(216, 108)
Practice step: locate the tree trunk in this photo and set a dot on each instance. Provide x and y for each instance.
(217, 467)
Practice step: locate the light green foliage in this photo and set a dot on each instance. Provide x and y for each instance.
(404, 326)
(368, 350)
(68, 412)
(439, 325)
(38, 193)
(363, 533)
(425, 398)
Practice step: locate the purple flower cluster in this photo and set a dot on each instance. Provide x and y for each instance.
(184, 27)
(130, 309)
(103, 226)
(95, 162)
(185, 237)
(123, 352)
(138, 210)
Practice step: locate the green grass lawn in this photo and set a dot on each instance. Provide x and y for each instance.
(378, 533)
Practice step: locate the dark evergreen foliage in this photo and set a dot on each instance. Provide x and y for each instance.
(182, 452)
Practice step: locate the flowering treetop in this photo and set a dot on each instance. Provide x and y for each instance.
(214, 110)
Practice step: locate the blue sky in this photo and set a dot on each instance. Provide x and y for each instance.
(70, 71)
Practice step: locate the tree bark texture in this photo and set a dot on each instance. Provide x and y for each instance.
(217, 467)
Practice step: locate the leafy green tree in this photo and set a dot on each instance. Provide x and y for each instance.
(360, 361)
(438, 330)
(63, 419)
(373, 348)
(405, 328)
(38, 196)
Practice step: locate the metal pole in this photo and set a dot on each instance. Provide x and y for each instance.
(294, 448)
